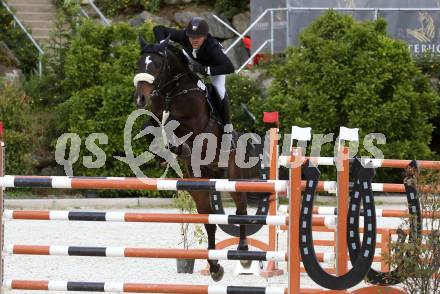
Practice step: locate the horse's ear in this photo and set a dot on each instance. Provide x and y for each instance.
(163, 44)
(142, 41)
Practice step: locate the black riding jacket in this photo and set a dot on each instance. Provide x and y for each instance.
(210, 54)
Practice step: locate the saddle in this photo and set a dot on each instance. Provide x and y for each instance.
(214, 101)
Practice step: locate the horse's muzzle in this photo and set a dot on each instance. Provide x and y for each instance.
(141, 100)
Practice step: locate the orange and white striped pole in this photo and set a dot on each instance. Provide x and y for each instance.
(384, 250)
(395, 213)
(401, 163)
(272, 267)
(342, 200)
(388, 163)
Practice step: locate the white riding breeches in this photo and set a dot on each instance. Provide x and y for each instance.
(219, 83)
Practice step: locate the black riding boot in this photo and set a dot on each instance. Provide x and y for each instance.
(226, 113)
(225, 110)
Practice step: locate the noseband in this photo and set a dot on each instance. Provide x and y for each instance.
(149, 78)
(160, 90)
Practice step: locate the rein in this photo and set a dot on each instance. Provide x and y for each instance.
(159, 89)
(168, 96)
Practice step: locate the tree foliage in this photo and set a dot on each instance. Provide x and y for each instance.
(99, 69)
(245, 91)
(429, 64)
(114, 7)
(48, 90)
(349, 73)
(18, 42)
(18, 125)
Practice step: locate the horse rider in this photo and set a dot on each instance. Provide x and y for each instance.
(205, 56)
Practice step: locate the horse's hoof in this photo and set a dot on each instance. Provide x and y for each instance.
(217, 276)
(246, 263)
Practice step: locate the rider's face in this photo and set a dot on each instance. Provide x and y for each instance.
(197, 42)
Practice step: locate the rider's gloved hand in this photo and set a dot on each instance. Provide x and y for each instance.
(198, 68)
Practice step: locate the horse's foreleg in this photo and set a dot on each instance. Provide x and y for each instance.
(204, 207)
(243, 245)
(241, 203)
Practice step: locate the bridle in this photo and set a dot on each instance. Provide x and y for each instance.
(149, 78)
(159, 89)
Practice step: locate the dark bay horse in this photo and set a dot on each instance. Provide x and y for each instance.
(175, 93)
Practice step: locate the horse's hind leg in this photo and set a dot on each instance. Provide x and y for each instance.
(241, 204)
(204, 207)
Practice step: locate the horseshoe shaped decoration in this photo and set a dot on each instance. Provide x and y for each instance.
(263, 208)
(391, 277)
(364, 259)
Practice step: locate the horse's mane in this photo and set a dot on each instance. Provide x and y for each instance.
(178, 52)
(154, 48)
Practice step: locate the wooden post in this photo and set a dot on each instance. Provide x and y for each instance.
(385, 249)
(272, 266)
(2, 173)
(294, 214)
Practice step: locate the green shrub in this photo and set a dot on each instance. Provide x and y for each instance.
(99, 69)
(347, 73)
(59, 3)
(153, 5)
(114, 7)
(17, 118)
(18, 42)
(430, 66)
(48, 90)
(418, 257)
(242, 90)
(191, 234)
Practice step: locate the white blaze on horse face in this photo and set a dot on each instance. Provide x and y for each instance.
(147, 62)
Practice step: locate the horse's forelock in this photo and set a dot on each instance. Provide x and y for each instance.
(155, 48)
(150, 48)
(173, 54)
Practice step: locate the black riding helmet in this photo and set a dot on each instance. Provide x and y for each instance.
(197, 27)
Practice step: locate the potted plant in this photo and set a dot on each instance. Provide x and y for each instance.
(191, 234)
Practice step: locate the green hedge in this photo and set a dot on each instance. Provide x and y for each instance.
(111, 8)
(18, 42)
(242, 90)
(348, 73)
(114, 7)
(16, 115)
(430, 66)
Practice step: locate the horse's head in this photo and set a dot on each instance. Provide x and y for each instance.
(151, 66)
